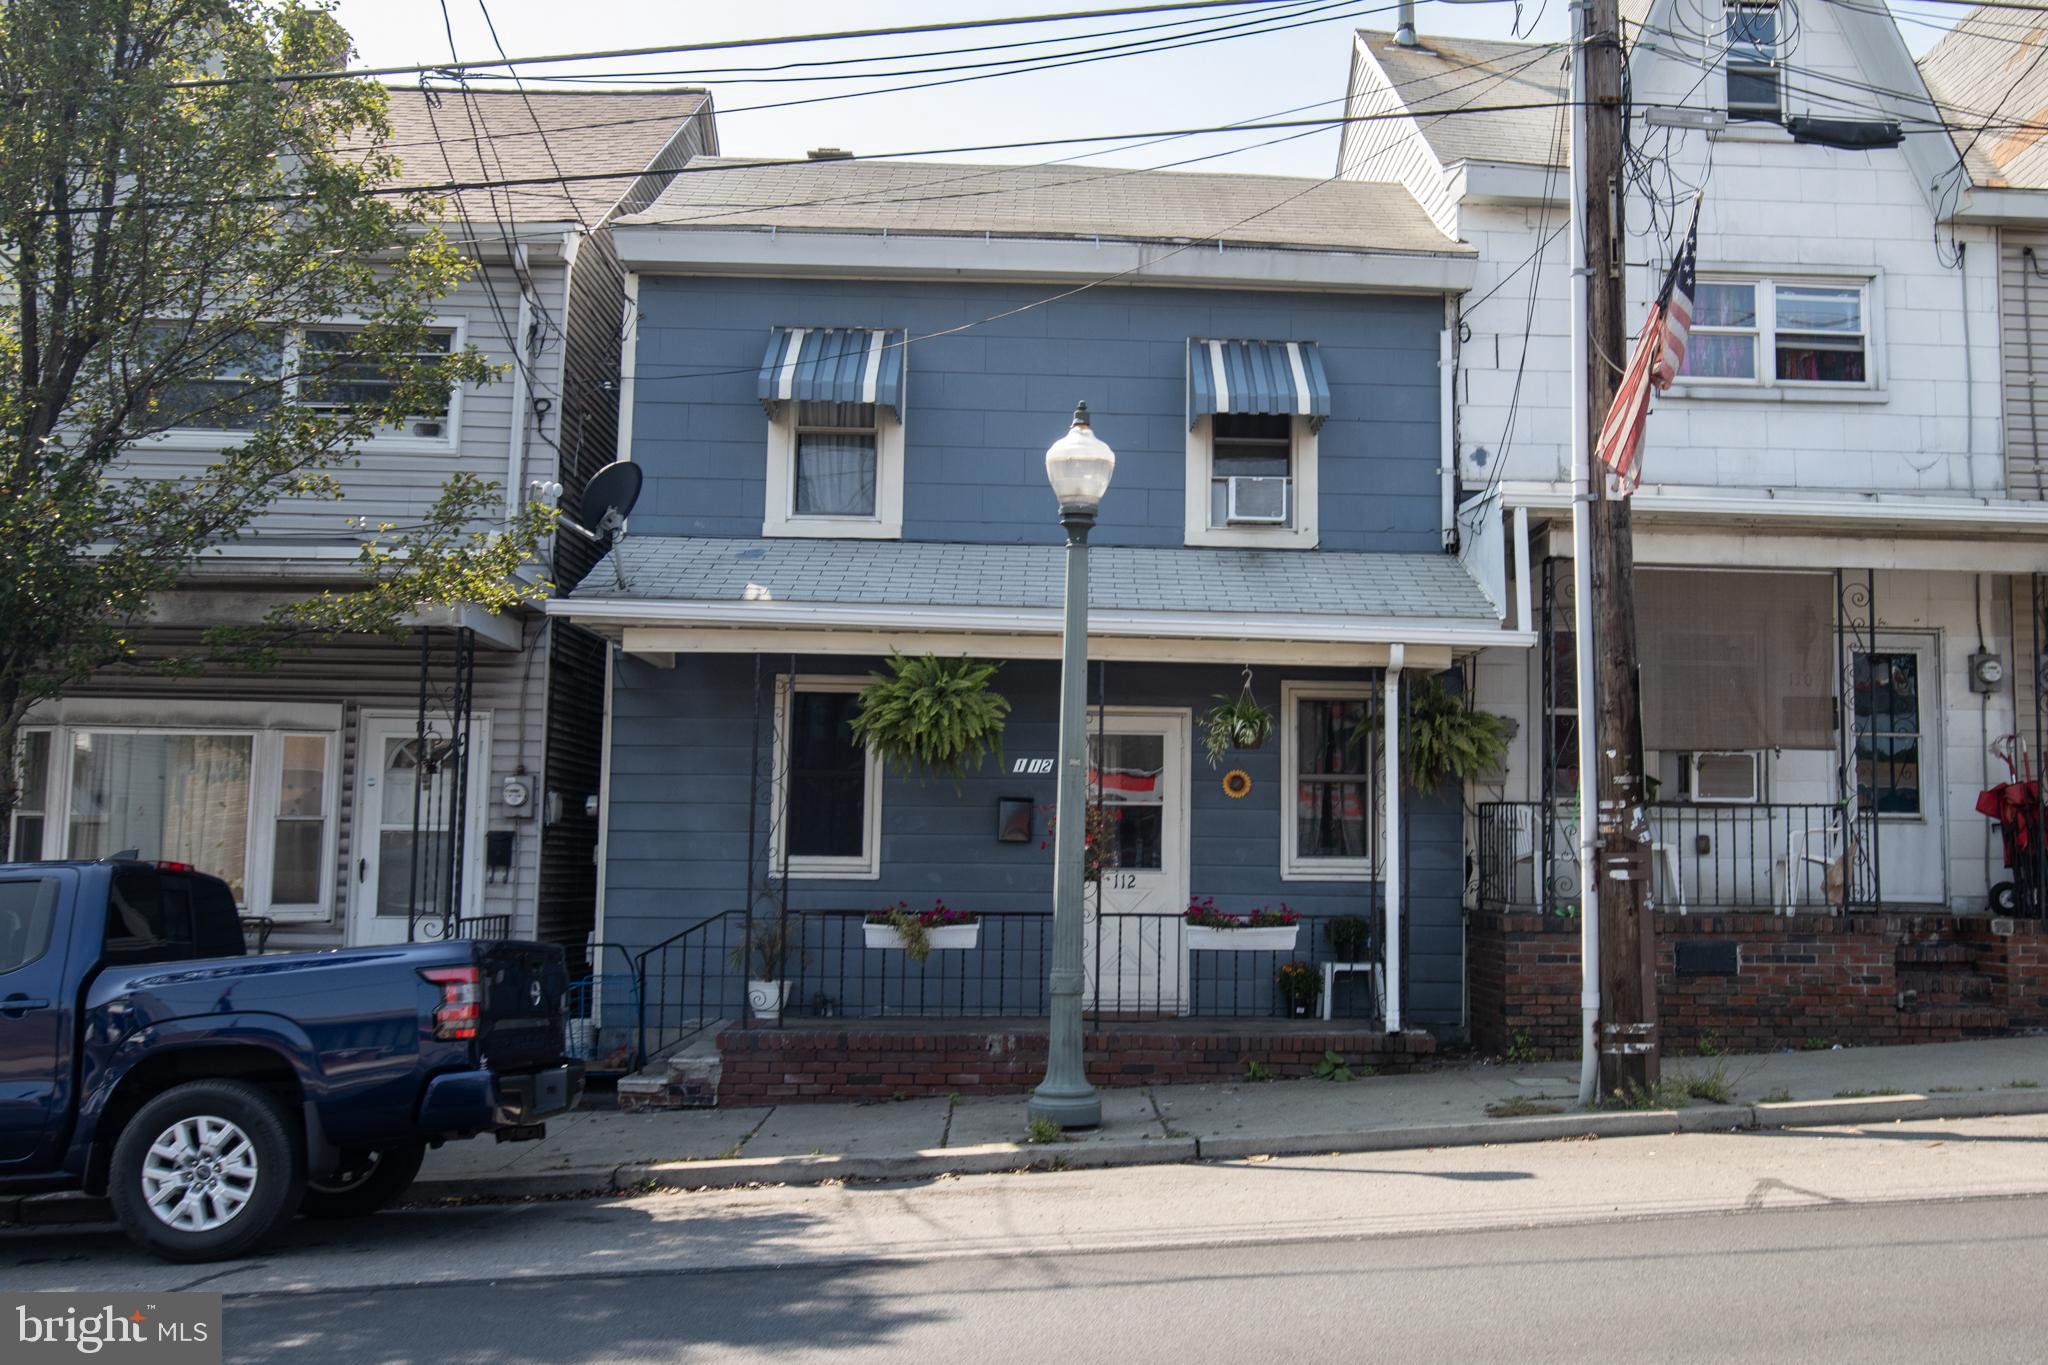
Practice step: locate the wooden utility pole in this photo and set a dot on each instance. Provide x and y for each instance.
(1627, 937)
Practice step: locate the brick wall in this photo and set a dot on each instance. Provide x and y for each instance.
(1798, 978)
(800, 1065)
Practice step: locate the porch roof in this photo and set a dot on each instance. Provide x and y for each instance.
(1186, 594)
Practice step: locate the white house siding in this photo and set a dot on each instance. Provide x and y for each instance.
(2023, 333)
(1389, 149)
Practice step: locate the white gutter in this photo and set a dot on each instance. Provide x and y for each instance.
(1038, 621)
(1581, 500)
(1390, 861)
(1879, 510)
(515, 455)
(629, 363)
(1447, 383)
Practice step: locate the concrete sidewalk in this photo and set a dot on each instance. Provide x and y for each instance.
(1461, 1105)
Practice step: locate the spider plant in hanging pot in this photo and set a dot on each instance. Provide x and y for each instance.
(1238, 722)
(932, 715)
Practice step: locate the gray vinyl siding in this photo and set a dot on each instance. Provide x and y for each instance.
(369, 675)
(2023, 349)
(982, 405)
(679, 811)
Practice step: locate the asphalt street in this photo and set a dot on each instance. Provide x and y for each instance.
(1923, 1240)
(1929, 1283)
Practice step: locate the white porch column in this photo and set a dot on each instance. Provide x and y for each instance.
(1390, 841)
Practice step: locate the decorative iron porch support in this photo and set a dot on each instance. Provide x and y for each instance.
(1855, 632)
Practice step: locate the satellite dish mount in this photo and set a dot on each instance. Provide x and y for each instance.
(601, 514)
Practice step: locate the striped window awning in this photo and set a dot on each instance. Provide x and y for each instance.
(833, 365)
(1278, 377)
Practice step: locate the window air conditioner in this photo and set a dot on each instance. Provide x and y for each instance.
(1258, 501)
(1728, 778)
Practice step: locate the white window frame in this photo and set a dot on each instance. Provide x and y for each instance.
(780, 517)
(1732, 63)
(220, 438)
(42, 807)
(265, 725)
(1294, 866)
(1302, 497)
(868, 865)
(1764, 376)
(1759, 794)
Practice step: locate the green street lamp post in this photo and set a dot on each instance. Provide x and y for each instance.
(1078, 466)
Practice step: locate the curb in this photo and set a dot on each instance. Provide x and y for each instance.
(1000, 1157)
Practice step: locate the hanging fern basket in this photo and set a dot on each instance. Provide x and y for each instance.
(932, 716)
(1447, 739)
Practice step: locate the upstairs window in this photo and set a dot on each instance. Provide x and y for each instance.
(1780, 332)
(1753, 88)
(233, 387)
(240, 380)
(836, 455)
(1251, 470)
(335, 376)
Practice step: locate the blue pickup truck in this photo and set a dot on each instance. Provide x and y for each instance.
(212, 1095)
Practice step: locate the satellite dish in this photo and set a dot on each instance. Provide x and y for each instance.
(607, 501)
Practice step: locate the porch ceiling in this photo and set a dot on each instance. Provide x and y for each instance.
(691, 594)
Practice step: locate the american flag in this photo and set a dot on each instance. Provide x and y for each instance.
(1659, 356)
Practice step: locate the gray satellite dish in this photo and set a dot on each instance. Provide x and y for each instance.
(607, 501)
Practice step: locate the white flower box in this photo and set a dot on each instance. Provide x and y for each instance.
(943, 936)
(1271, 938)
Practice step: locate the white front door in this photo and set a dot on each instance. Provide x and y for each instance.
(394, 870)
(1898, 765)
(1134, 951)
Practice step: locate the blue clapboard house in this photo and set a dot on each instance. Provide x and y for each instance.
(840, 379)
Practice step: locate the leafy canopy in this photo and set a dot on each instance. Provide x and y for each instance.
(161, 245)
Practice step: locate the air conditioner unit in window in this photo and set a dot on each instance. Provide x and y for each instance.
(1728, 778)
(1258, 501)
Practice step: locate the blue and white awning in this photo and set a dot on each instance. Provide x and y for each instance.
(1276, 377)
(833, 365)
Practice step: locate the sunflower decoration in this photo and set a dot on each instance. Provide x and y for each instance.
(1237, 784)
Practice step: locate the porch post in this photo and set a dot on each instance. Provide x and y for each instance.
(1390, 843)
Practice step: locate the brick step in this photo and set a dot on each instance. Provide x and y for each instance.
(1926, 988)
(1910, 955)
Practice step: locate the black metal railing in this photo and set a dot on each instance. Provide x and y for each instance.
(1138, 966)
(1776, 856)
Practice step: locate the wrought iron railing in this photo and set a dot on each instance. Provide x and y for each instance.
(1138, 966)
(1775, 856)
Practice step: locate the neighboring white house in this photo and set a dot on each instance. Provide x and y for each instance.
(298, 784)
(1838, 549)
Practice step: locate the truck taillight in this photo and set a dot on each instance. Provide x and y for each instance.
(456, 1017)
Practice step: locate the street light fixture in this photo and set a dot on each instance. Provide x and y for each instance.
(1078, 466)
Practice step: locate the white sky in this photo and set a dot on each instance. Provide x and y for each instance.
(1255, 77)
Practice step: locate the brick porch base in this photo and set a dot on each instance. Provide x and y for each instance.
(1798, 980)
(813, 1060)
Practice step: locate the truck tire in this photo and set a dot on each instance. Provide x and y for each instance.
(206, 1171)
(364, 1182)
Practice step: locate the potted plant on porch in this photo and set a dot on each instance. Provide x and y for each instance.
(918, 932)
(1263, 930)
(1299, 985)
(765, 955)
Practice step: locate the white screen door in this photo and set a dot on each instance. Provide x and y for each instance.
(392, 865)
(1898, 764)
(1134, 951)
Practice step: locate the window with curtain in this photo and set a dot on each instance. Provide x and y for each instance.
(30, 823)
(835, 460)
(1769, 332)
(1753, 62)
(1331, 749)
(300, 829)
(234, 384)
(182, 797)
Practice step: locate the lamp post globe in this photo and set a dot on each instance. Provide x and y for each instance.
(1078, 466)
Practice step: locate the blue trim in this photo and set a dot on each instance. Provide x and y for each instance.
(1256, 377)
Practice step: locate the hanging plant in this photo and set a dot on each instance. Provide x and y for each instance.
(938, 715)
(1447, 739)
(1234, 723)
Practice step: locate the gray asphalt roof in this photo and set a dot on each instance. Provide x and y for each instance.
(897, 573)
(1440, 74)
(1987, 69)
(496, 135)
(903, 197)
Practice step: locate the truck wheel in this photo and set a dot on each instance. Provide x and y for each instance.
(367, 1180)
(205, 1171)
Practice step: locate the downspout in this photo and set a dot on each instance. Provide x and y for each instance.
(515, 455)
(1582, 592)
(1391, 857)
(1447, 444)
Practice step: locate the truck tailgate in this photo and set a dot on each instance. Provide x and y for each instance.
(522, 1026)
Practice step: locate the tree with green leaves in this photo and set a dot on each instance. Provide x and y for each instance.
(172, 215)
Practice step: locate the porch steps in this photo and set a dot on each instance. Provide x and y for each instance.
(1944, 989)
(685, 1078)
